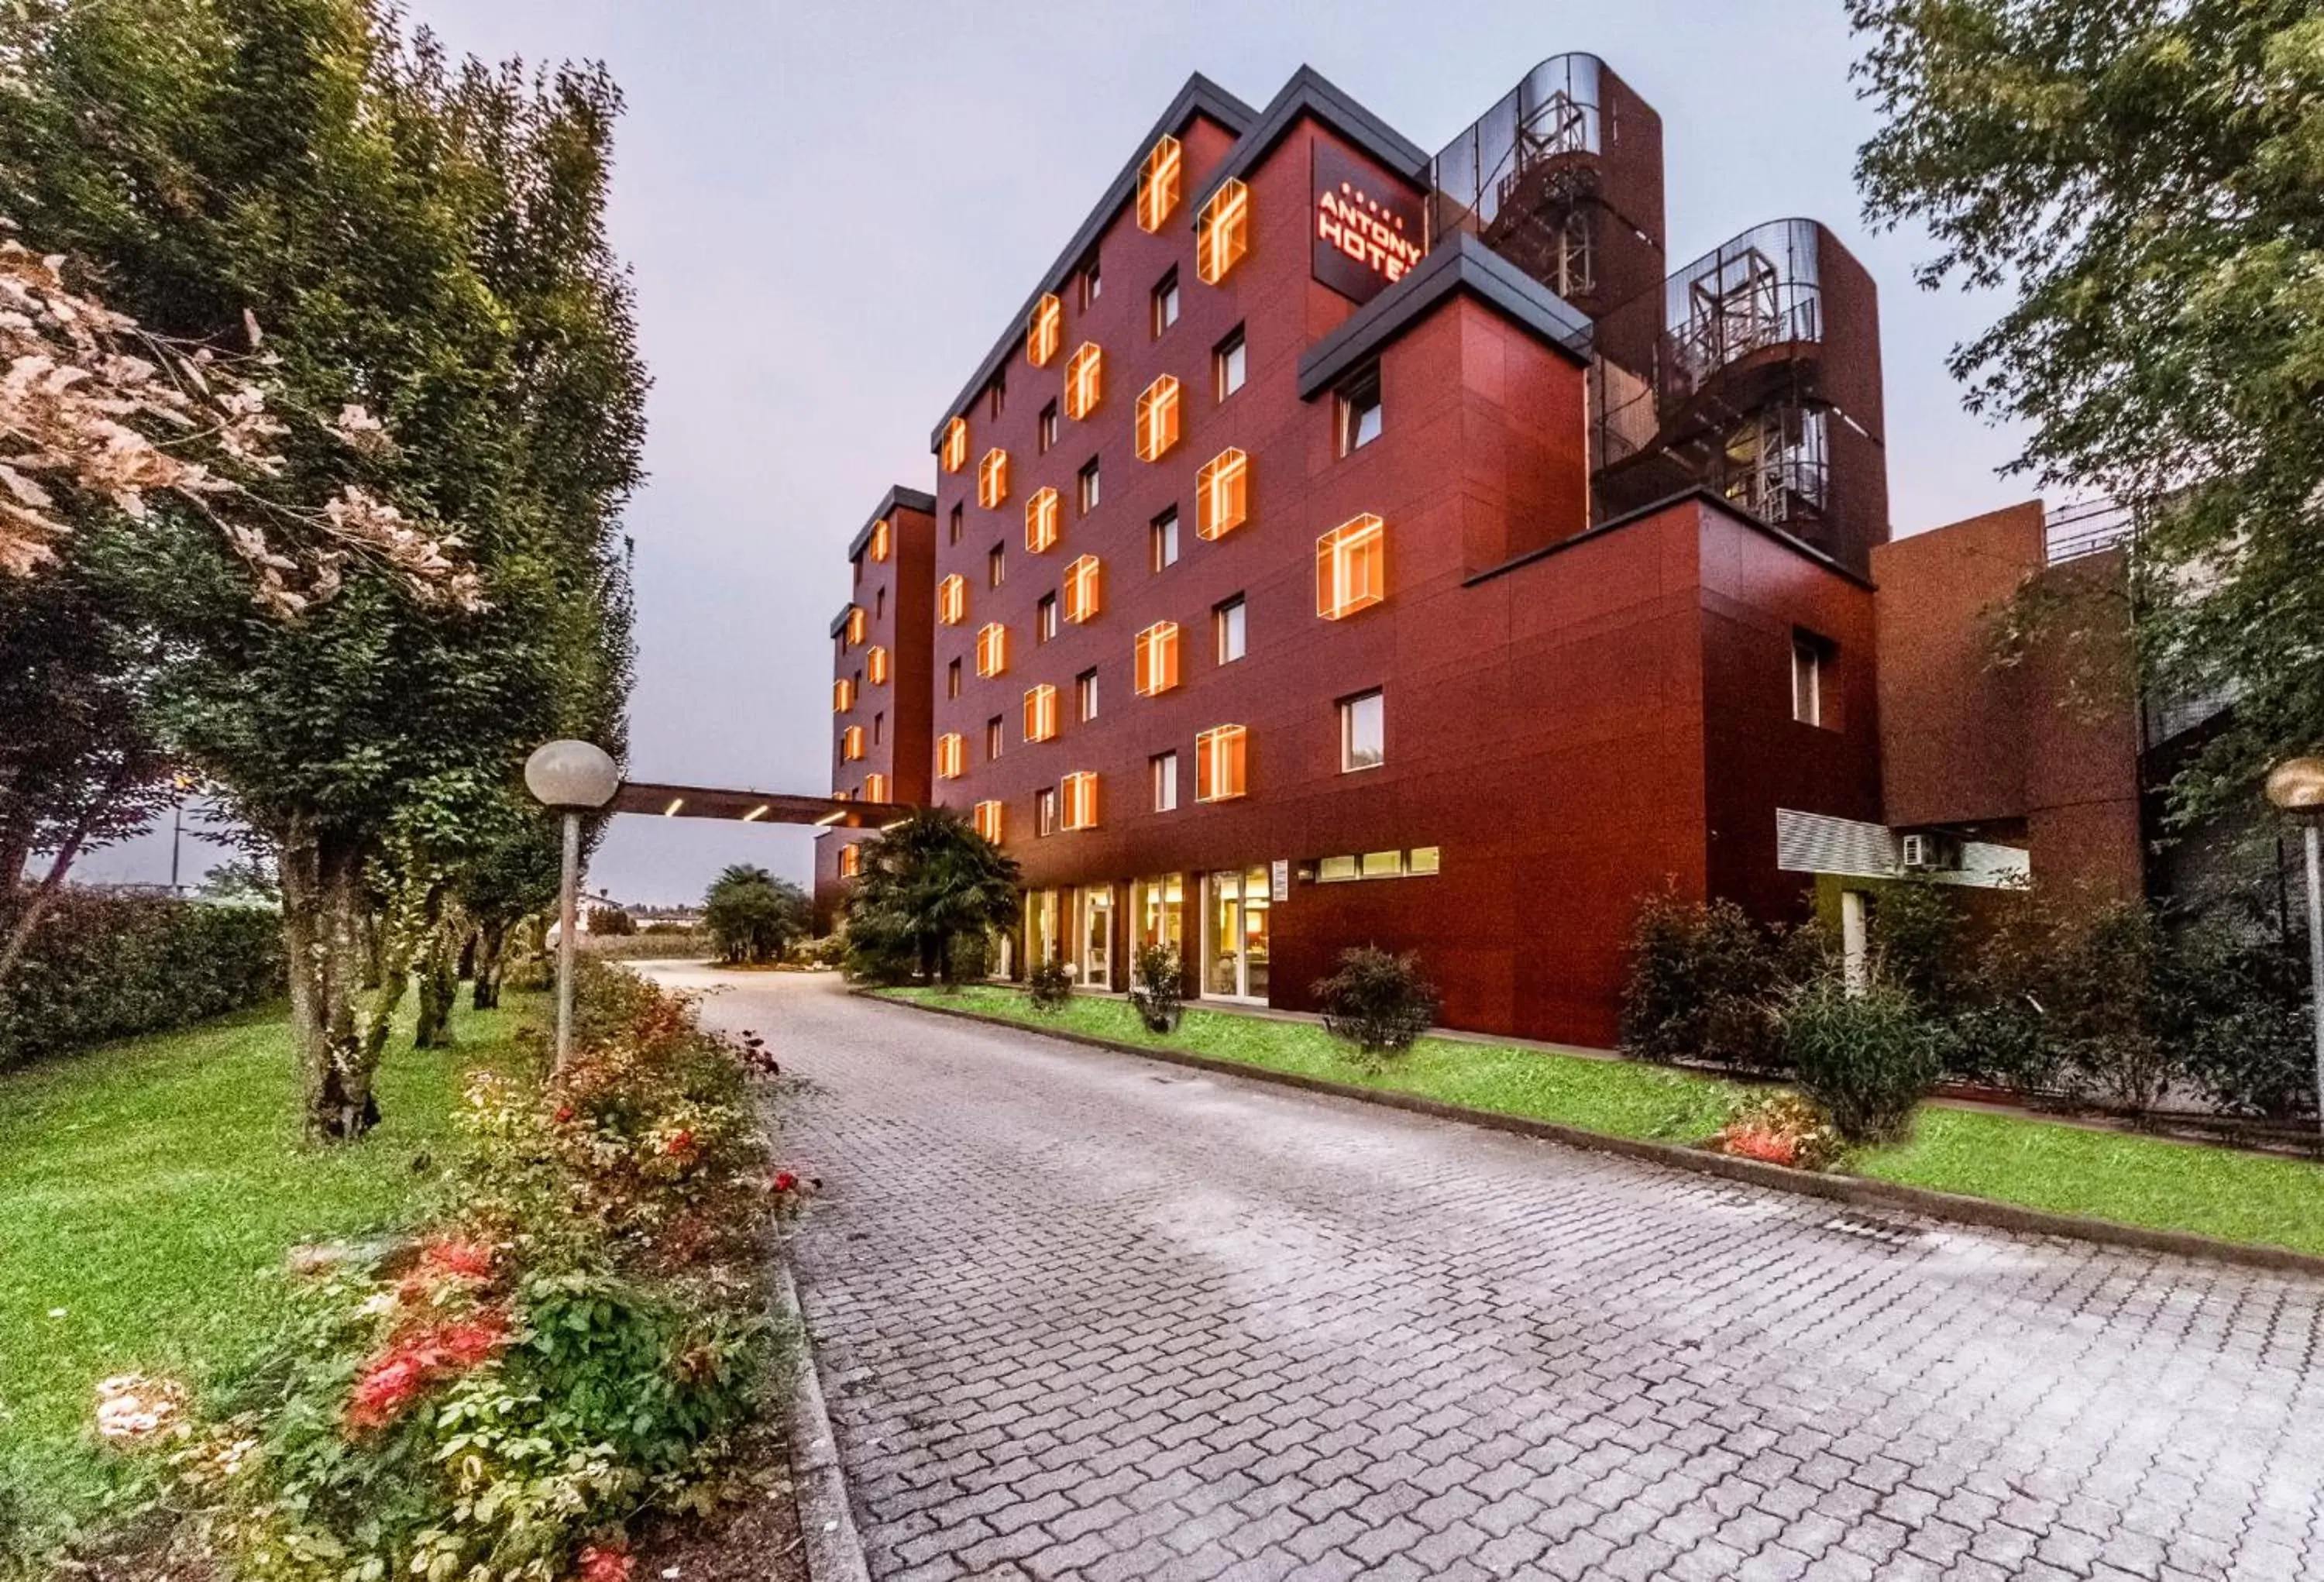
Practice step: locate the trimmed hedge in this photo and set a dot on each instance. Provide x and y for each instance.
(100, 968)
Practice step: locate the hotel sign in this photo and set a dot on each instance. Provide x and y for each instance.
(1366, 231)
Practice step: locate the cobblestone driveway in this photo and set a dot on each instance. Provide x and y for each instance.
(1089, 1316)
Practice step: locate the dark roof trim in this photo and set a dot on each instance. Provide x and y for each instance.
(1311, 93)
(1460, 264)
(839, 621)
(1200, 96)
(898, 498)
(1700, 496)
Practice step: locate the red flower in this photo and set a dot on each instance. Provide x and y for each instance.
(461, 1260)
(419, 1357)
(785, 1181)
(1769, 1147)
(609, 1563)
(564, 1114)
(680, 1141)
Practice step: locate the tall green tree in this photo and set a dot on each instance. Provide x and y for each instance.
(421, 240)
(925, 883)
(752, 916)
(2144, 181)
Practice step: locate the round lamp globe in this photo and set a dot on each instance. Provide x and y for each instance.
(572, 776)
(2297, 785)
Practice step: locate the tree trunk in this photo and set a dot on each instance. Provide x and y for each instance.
(440, 980)
(327, 936)
(36, 905)
(486, 995)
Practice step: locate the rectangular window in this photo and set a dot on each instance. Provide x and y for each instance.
(992, 478)
(879, 727)
(996, 566)
(1042, 329)
(851, 861)
(1162, 538)
(1157, 658)
(1088, 485)
(1162, 775)
(1382, 864)
(991, 648)
(1091, 284)
(1222, 494)
(875, 787)
(1227, 628)
(855, 623)
(988, 821)
(1045, 810)
(1085, 695)
(952, 756)
(875, 665)
(880, 539)
(1363, 732)
(1165, 302)
(1158, 182)
(955, 450)
(1358, 405)
(952, 680)
(951, 599)
(1220, 755)
(880, 603)
(1227, 365)
(1222, 234)
(1040, 713)
(1048, 433)
(1079, 792)
(997, 393)
(1084, 380)
(843, 694)
(851, 744)
(1424, 860)
(1084, 591)
(1156, 430)
(1045, 618)
(1811, 658)
(1335, 870)
(1351, 568)
(992, 737)
(951, 534)
(1040, 520)
(855, 570)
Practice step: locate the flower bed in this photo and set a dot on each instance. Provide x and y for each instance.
(575, 1347)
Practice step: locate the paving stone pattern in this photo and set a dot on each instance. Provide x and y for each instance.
(1087, 1316)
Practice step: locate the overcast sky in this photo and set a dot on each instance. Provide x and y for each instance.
(832, 209)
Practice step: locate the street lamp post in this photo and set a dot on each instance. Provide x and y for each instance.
(2297, 786)
(574, 778)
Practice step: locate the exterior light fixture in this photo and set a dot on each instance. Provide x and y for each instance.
(2297, 786)
(574, 778)
(830, 818)
(675, 804)
(758, 812)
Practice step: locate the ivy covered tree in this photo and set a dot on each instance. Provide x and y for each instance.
(423, 244)
(2142, 179)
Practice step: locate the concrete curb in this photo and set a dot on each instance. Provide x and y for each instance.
(828, 1537)
(1861, 1191)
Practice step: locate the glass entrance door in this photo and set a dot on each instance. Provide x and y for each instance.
(1234, 935)
(1097, 937)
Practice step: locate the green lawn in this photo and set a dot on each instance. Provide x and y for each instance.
(2042, 1164)
(148, 1192)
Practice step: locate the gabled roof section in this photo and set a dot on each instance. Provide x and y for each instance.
(1311, 93)
(1460, 264)
(898, 498)
(1201, 96)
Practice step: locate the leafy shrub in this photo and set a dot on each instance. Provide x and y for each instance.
(968, 960)
(1049, 987)
(576, 1349)
(751, 917)
(1916, 939)
(99, 967)
(831, 951)
(654, 944)
(612, 921)
(1377, 1001)
(1158, 986)
(1866, 1057)
(1782, 1128)
(1707, 983)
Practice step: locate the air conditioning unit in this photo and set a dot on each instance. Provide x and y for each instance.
(1929, 851)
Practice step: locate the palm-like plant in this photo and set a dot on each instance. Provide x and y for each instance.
(925, 883)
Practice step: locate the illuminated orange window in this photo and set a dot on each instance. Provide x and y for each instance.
(955, 445)
(991, 648)
(1040, 713)
(1084, 380)
(880, 539)
(843, 694)
(855, 623)
(952, 756)
(1159, 180)
(1042, 329)
(1041, 520)
(988, 821)
(1219, 763)
(851, 742)
(951, 599)
(851, 861)
(875, 666)
(1222, 234)
(1157, 663)
(1158, 419)
(875, 787)
(1351, 568)
(993, 477)
(1078, 794)
(1222, 495)
(1084, 588)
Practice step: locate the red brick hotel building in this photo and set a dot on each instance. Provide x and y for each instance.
(1346, 544)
